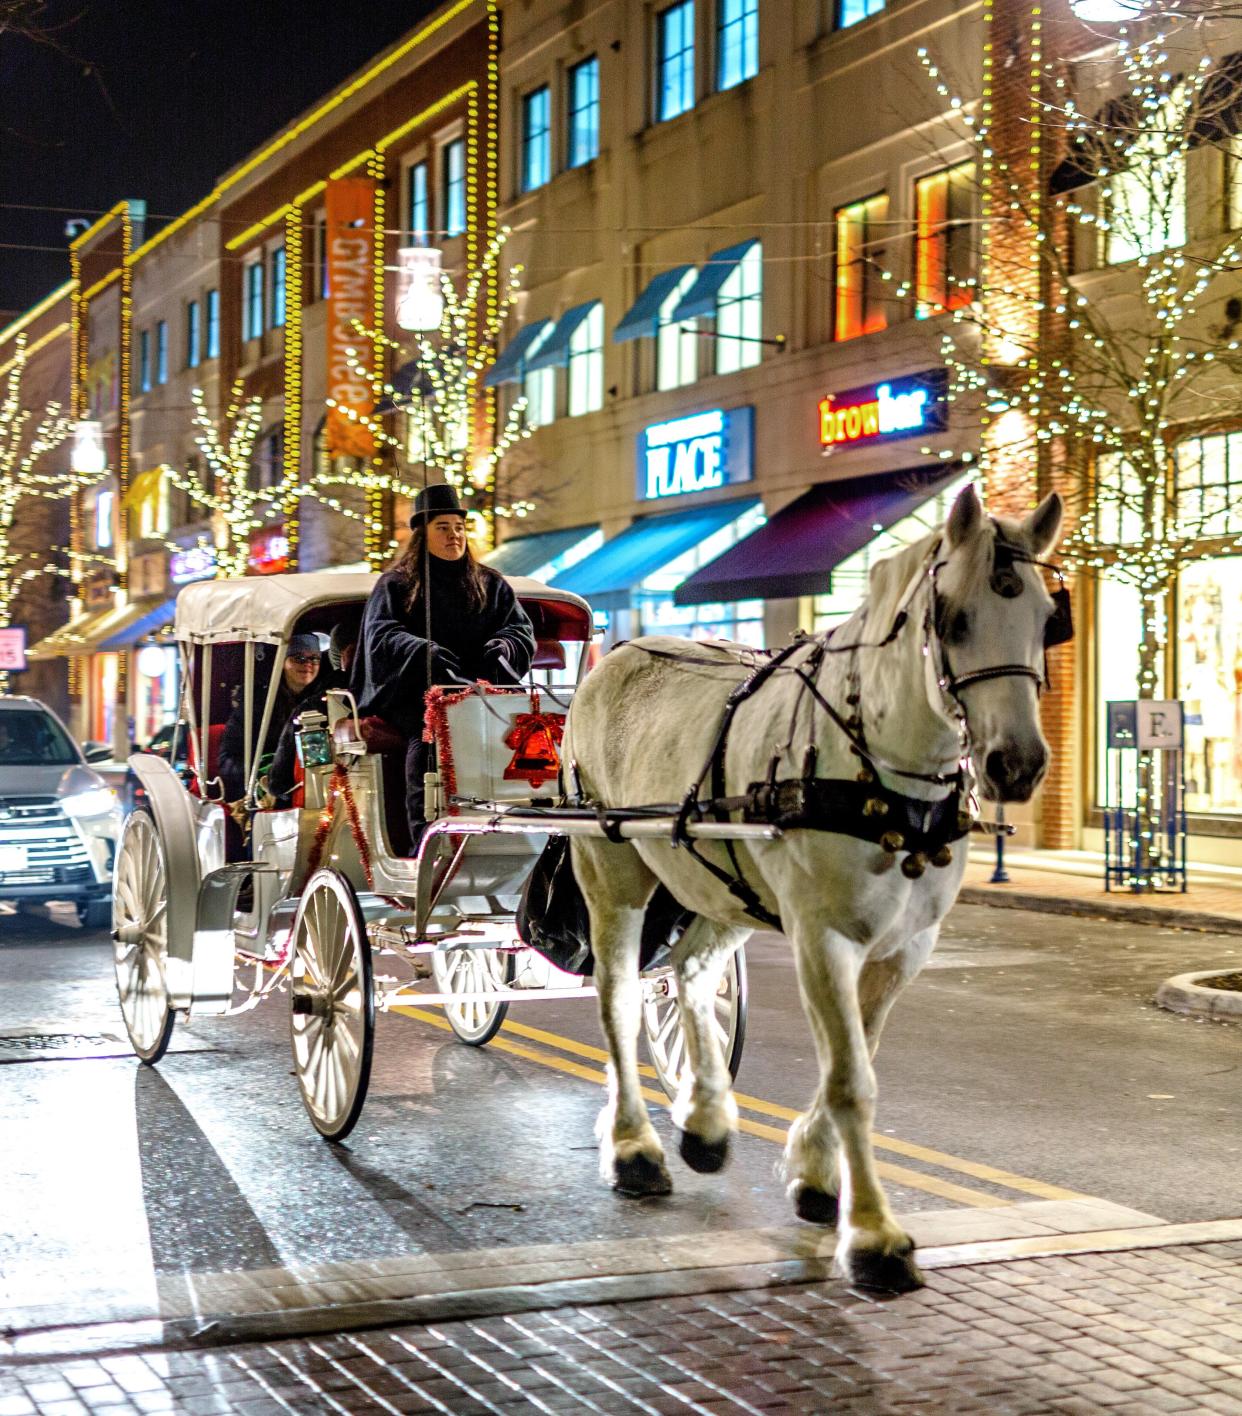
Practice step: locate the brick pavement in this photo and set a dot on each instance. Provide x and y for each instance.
(1139, 1331)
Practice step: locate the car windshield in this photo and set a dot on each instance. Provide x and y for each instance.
(29, 738)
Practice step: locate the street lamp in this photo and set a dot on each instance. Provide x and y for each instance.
(420, 299)
(88, 458)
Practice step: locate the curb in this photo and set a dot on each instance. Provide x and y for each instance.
(1184, 994)
(1100, 909)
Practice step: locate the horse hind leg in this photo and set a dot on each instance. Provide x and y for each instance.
(705, 1111)
(617, 887)
(873, 1251)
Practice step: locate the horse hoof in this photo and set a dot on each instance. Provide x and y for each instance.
(706, 1157)
(883, 1273)
(638, 1176)
(816, 1206)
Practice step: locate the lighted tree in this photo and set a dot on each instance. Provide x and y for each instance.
(27, 436)
(437, 427)
(225, 488)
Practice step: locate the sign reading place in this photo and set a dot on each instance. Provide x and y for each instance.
(696, 453)
(896, 408)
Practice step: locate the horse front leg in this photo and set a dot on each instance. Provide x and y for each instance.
(617, 887)
(873, 1251)
(705, 1110)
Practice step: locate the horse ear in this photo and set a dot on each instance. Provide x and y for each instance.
(1043, 526)
(965, 517)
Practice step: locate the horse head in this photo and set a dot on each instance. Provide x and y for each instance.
(994, 620)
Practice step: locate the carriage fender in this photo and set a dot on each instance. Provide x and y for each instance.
(173, 811)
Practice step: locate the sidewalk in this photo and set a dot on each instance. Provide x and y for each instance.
(1072, 883)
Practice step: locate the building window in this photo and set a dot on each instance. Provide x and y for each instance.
(739, 315)
(677, 344)
(674, 60)
(854, 10)
(944, 267)
(269, 459)
(1209, 487)
(455, 187)
(737, 42)
(213, 325)
(144, 361)
(103, 520)
(583, 143)
(252, 306)
(536, 138)
(859, 286)
(1209, 681)
(161, 352)
(193, 345)
(1233, 182)
(278, 288)
(420, 205)
(1144, 208)
(586, 364)
(153, 509)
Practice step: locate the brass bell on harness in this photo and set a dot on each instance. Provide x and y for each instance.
(914, 865)
(942, 857)
(964, 821)
(875, 806)
(865, 774)
(892, 841)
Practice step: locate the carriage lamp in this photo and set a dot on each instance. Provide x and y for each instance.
(88, 458)
(420, 299)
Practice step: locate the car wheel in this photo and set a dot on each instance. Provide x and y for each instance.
(95, 914)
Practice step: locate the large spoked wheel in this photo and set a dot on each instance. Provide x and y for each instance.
(332, 995)
(475, 1021)
(666, 1042)
(140, 937)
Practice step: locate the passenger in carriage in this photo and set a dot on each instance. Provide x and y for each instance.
(342, 645)
(301, 669)
(478, 630)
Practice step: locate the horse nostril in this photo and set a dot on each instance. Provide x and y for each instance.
(997, 765)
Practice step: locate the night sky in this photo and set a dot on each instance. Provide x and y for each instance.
(155, 99)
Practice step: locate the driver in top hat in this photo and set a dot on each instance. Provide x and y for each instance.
(478, 630)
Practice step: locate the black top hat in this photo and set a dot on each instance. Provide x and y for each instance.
(437, 500)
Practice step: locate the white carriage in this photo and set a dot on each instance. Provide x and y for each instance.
(319, 903)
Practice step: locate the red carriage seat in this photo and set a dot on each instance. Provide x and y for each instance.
(549, 654)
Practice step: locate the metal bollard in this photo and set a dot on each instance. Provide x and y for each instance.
(1000, 876)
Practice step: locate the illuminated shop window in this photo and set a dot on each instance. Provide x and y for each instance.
(420, 205)
(586, 364)
(1209, 681)
(1209, 486)
(144, 361)
(860, 286)
(739, 314)
(193, 344)
(583, 143)
(103, 519)
(677, 345)
(278, 288)
(252, 308)
(539, 387)
(213, 325)
(1144, 207)
(1116, 679)
(944, 255)
(675, 60)
(852, 11)
(737, 42)
(536, 138)
(454, 159)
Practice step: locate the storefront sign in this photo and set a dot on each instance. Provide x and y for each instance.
(1145, 723)
(896, 408)
(269, 552)
(13, 649)
(696, 453)
(194, 563)
(350, 228)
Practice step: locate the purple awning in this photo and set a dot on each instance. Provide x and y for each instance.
(796, 551)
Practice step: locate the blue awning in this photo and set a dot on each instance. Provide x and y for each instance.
(700, 299)
(508, 368)
(553, 353)
(643, 316)
(136, 631)
(523, 555)
(609, 578)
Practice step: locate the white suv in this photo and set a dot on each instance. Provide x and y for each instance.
(59, 820)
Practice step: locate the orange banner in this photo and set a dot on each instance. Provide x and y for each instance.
(350, 237)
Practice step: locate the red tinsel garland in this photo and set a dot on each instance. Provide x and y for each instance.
(436, 729)
(340, 788)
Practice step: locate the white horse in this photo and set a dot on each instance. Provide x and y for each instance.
(954, 629)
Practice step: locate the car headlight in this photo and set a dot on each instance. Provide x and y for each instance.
(96, 801)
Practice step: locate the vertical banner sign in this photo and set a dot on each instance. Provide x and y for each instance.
(350, 234)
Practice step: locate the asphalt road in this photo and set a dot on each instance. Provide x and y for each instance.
(1026, 1062)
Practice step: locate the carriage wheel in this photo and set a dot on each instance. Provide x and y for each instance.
(332, 996)
(473, 971)
(666, 1042)
(140, 937)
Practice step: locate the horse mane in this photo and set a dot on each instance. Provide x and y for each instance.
(889, 580)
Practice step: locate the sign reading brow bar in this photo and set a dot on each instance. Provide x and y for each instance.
(896, 408)
(696, 453)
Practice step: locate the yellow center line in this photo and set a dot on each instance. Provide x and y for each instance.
(898, 1174)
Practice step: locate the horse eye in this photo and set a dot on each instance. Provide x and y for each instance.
(957, 628)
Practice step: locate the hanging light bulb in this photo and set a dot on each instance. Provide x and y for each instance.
(420, 300)
(88, 458)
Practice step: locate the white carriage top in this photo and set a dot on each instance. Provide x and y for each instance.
(265, 608)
